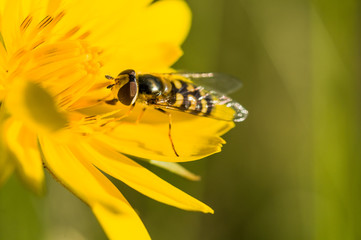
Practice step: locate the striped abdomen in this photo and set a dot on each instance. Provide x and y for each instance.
(189, 98)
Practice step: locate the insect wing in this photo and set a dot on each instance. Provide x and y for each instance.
(219, 82)
(225, 108)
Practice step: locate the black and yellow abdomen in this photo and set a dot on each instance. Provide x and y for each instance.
(190, 98)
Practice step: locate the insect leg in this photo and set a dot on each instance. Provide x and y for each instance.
(170, 128)
(90, 119)
(97, 118)
(140, 115)
(121, 117)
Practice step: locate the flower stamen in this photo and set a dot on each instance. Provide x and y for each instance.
(84, 35)
(26, 23)
(37, 44)
(45, 22)
(70, 33)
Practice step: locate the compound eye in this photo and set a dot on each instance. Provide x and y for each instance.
(129, 72)
(127, 93)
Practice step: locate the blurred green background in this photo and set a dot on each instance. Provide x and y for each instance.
(292, 170)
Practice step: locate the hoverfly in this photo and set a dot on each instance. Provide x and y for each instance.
(179, 92)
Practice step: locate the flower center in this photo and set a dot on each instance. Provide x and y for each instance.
(64, 63)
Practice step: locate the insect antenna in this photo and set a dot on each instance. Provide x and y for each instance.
(109, 77)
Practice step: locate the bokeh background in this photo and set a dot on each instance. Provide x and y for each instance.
(292, 170)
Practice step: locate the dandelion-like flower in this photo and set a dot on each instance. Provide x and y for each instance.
(54, 56)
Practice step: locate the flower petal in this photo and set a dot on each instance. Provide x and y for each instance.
(102, 17)
(136, 176)
(165, 21)
(22, 142)
(90, 185)
(6, 163)
(9, 24)
(176, 169)
(120, 226)
(193, 137)
(13, 14)
(144, 57)
(149, 40)
(2, 66)
(152, 142)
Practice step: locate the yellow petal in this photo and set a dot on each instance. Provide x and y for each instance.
(6, 163)
(176, 169)
(152, 142)
(13, 14)
(149, 40)
(193, 137)
(53, 6)
(119, 226)
(9, 24)
(2, 89)
(2, 65)
(91, 186)
(137, 177)
(143, 57)
(165, 21)
(22, 142)
(102, 18)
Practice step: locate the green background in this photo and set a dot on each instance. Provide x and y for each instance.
(292, 170)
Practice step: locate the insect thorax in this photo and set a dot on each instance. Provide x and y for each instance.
(152, 88)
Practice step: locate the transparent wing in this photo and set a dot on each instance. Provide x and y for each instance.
(219, 82)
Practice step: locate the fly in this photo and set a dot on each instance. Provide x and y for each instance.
(179, 92)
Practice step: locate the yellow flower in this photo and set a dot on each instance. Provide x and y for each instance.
(54, 56)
